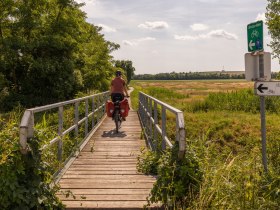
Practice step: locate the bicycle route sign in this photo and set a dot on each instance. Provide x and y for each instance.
(255, 36)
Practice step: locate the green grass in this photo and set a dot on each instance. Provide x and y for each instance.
(223, 128)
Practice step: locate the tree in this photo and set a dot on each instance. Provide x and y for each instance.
(273, 23)
(127, 66)
(48, 52)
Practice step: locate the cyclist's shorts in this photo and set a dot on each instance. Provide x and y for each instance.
(117, 97)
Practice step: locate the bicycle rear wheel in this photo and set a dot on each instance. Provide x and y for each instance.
(117, 120)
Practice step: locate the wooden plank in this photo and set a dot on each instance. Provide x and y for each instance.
(92, 172)
(105, 204)
(107, 178)
(120, 161)
(110, 149)
(119, 153)
(107, 191)
(105, 168)
(106, 163)
(109, 181)
(82, 197)
(104, 185)
(110, 177)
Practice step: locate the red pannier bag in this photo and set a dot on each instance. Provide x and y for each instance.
(124, 108)
(109, 108)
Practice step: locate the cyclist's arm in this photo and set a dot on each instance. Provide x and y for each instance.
(125, 90)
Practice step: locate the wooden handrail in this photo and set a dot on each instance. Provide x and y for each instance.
(148, 112)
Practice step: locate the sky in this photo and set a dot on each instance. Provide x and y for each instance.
(179, 35)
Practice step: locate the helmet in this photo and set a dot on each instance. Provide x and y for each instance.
(118, 73)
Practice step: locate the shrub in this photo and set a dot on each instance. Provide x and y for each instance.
(178, 181)
(25, 180)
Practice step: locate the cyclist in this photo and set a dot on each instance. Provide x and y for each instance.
(118, 88)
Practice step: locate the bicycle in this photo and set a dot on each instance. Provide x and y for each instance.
(117, 114)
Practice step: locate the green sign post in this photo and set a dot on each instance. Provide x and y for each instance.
(255, 36)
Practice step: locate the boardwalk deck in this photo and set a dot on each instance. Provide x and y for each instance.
(104, 176)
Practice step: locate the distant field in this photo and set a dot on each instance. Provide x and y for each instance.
(195, 89)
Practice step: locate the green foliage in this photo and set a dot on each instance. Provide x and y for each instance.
(48, 52)
(273, 22)
(148, 162)
(178, 180)
(25, 180)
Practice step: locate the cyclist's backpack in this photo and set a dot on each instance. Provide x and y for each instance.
(109, 108)
(124, 108)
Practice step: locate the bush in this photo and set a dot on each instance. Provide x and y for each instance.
(25, 180)
(178, 181)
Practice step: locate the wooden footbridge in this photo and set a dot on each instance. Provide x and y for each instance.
(102, 174)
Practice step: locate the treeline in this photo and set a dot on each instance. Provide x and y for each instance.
(193, 76)
(49, 53)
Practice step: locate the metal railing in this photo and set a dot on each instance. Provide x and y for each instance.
(153, 117)
(96, 113)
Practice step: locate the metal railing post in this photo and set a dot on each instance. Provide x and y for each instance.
(86, 116)
(26, 130)
(180, 134)
(154, 128)
(60, 130)
(93, 112)
(76, 119)
(163, 127)
(156, 123)
(150, 122)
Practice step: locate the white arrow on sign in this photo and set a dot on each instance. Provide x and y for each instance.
(271, 88)
(251, 44)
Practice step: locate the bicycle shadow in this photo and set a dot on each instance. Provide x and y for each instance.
(113, 134)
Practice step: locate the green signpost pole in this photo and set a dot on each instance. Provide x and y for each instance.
(262, 111)
(255, 46)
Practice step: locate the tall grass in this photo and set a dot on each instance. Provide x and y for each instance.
(242, 100)
(224, 131)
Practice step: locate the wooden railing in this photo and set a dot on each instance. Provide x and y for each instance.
(96, 113)
(153, 117)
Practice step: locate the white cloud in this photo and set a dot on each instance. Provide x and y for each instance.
(186, 37)
(129, 43)
(222, 34)
(136, 42)
(146, 39)
(215, 33)
(261, 16)
(199, 27)
(106, 28)
(153, 25)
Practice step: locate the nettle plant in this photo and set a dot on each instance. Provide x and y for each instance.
(178, 180)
